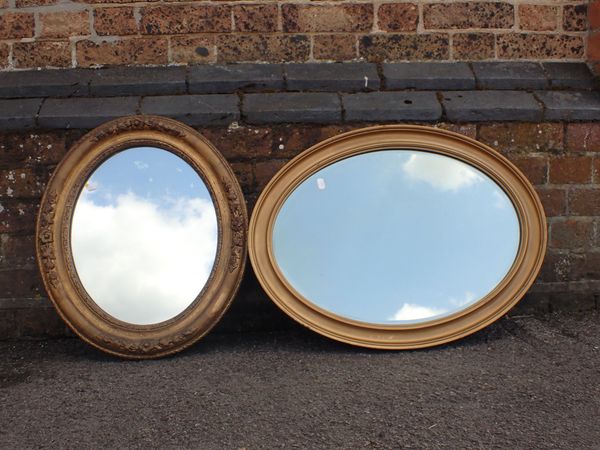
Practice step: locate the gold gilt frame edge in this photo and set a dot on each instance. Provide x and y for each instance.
(498, 302)
(55, 259)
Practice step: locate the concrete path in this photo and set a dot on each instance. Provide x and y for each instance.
(522, 383)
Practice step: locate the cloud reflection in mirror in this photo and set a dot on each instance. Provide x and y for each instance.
(144, 235)
(397, 236)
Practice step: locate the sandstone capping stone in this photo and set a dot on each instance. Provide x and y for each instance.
(391, 106)
(342, 77)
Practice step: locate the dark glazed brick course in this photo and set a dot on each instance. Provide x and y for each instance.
(138, 81)
(209, 79)
(466, 106)
(16, 114)
(195, 109)
(85, 112)
(47, 83)
(389, 106)
(509, 75)
(292, 108)
(563, 105)
(428, 76)
(344, 77)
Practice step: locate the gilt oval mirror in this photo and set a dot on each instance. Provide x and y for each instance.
(141, 237)
(397, 237)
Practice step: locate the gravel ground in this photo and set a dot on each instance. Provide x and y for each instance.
(525, 382)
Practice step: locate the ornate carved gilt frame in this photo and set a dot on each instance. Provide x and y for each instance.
(527, 264)
(55, 258)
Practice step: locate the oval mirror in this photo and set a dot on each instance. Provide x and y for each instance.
(397, 237)
(141, 237)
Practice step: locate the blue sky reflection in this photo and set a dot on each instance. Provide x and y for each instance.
(396, 236)
(144, 235)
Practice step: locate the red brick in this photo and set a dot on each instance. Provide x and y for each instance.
(584, 202)
(327, 18)
(265, 170)
(336, 47)
(126, 51)
(593, 47)
(42, 54)
(534, 168)
(17, 149)
(575, 18)
(290, 140)
(583, 137)
(193, 49)
(240, 142)
(30, 3)
(118, 21)
(184, 19)
(17, 250)
(15, 25)
(17, 216)
(400, 47)
(465, 15)
(4, 53)
(596, 170)
(572, 234)
(594, 14)
(558, 266)
(586, 267)
(539, 46)
(570, 170)
(398, 17)
(262, 47)
(473, 46)
(469, 130)
(523, 137)
(65, 24)
(21, 283)
(23, 183)
(538, 17)
(244, 174)
(554, 200)
(257, 18)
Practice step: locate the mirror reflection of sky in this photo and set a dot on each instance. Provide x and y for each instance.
(144, 235)
(396, 236)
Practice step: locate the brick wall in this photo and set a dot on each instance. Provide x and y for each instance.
(87, 33)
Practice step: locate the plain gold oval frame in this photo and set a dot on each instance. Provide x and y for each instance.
(495, 304)
(53, 233)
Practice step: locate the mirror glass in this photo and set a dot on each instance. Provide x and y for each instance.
(144, 235)
(396, 237)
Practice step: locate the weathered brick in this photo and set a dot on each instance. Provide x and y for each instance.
(265, 170)
(534, 168)
(353, 17)
(184, 19)
(17, 216)
(396, 17)
(17, 250)
(596, 175)
(16, 25)
(583, 137)
(42, 54)
(65, 24)
(30, 3)
(523, 137)
(336, 47)
(539, 46)
(193, 49)
(428, 76)
(538, 17)
(468, 15)
(26, 182)
(572, 234)
(290, 140)
(575, 18)
(473, 46)
(401, 47)
(557, 266)
(586, 267)
(240, 142)
(42, 148)
(570, 170)
(4, 53)
(127, 51)
(3, 4)
(118, 21)
(262, 47)
(20, 283)
(255, 18)
(554, 200)
(469, 130)
(584, 202)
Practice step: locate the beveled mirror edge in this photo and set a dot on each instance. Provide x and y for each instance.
(52, 239)
(515, 284)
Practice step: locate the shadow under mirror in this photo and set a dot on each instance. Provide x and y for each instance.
(146, 218)
(396, 237)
